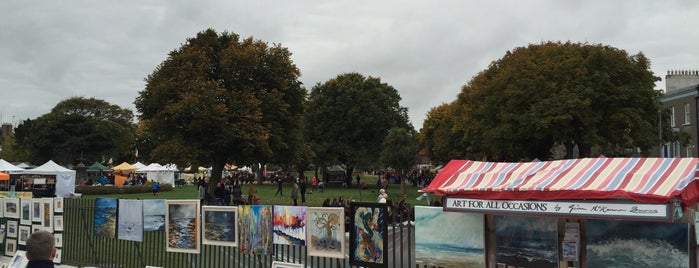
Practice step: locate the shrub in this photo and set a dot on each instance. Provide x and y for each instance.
(127, 189)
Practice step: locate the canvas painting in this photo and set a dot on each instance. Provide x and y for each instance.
(11, 208)
(36, 210)
(105, 217)
(10, 247)
(449, 239)
(25, 212)
(326, 232)
(58, 237)
(526, 241)
(220, 225)
(130, 220)
(47, 214)
(12, 229)
(637, 244)
(289, 224)
(255, 222)
(368, 234)
(153, 215)
(24, 232)
(183, 227)
(58, 204)
(58, 223)
(279, 264)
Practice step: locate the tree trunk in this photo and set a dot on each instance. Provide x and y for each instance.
(216, 172)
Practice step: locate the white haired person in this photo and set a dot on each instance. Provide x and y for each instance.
(40, 250)
(382, 196)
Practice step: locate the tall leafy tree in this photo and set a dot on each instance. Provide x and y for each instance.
(220, 98)
(77, 129)
(348, 118)
(400, 151)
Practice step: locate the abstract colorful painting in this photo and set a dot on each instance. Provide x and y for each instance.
(326, 232)
(255, 225)
(526, 241)
(637, 244)
(290, 225)
(182, 227)
(25, 212)
(105, 217)
(153, 215)
(130, 220)
(219, 224)
(368, 234)
(449, 239)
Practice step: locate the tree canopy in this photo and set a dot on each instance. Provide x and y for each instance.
(578, 96)
(220, 98)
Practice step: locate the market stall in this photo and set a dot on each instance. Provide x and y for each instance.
(577, 212)
(51, 179)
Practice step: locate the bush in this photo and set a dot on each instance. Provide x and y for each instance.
(128, 189)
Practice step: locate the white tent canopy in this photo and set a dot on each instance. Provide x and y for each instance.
(138, 165)
(65, 178)
(9, 168)
(156, 172)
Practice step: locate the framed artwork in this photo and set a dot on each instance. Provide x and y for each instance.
(460, 241)
(539, 246)
(3, 231)
(153, 215)
(2, 207)
(10, 247)
(289, 225)
(58, 223)
(130, 220)
(47, 214)
(36, 227)
(219, 224)
(25, 212)
(12, 227)
(368, 234)
(255, 224)
(11, 208)
(58, 204)
(58, 240)
(278, 264)
(19, 259)
(57, 258)
(183, 227)
(24, 232)
(325, 232)
(36, 210)
(105, 217)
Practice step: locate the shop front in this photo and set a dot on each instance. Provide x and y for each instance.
(592, 212)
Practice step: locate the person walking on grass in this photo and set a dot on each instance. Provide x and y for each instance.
(302, 186)
(295, 194)
(279, 186)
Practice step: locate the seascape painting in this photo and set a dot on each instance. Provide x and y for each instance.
(255, 222)
(153, 215)
(368, 234)
(219, 224)
(637, 244)
(183, 227)
(36, 210)
(449, 239)
(526, 241)
(130, 220)
(290, 225)
(105, 217)
(25, 214)
(326, 232)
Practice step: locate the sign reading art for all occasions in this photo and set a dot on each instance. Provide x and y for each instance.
(629, 210)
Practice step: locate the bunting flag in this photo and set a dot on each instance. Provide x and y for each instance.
(136, 152)
(103, 159)
(110, 161)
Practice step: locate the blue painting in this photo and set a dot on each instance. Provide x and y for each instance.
(637, 244)
(219, 224)
(183, 227)
(526, 241)
(105, 217)
(449, 239)
(153, 215)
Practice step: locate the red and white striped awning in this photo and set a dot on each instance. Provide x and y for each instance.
(647, 180)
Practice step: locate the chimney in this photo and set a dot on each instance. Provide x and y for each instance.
(678, 79)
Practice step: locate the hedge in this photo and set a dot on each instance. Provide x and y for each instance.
(127, 189)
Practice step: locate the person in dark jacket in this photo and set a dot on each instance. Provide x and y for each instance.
(40, 250)
(302, 186)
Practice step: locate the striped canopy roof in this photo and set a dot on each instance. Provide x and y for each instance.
(648, 180)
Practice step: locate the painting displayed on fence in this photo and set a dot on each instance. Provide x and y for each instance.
(279, 264)
(182, 227)
(58, 223)
(526, 241)
(289, 225)
(153, 215)
(459, 241)
(58, 205)
(105, 217)
(24, 232)
(130, 220)
(47, 214)
(326, 232)
(11, 208)
(12, 229)
(10, 247)
(25, 212)
(36, 210)
(255, 222)
(219, 224)
(637, 244)
(368, 234)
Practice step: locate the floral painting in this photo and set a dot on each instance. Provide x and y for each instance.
(255, 229)
(326, 232)
(290, 225)
(153, 215)
(219, 224)
(130, 220)
(368, 234)
(449, 239)
(183, 227)
(105, 217)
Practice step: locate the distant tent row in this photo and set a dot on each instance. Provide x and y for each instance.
(65, 178)
(153, 172)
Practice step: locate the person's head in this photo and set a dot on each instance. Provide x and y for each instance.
(382, 191)
(40, 246)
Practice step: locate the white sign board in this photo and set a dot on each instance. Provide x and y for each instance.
(562, 208)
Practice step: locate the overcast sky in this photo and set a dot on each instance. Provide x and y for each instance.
(427, 50)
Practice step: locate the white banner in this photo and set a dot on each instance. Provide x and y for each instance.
(562, 208)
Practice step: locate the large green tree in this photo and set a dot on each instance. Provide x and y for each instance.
(400, 151)
(220, 98)
(579, 96)
(349, 117)
(78, 129)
